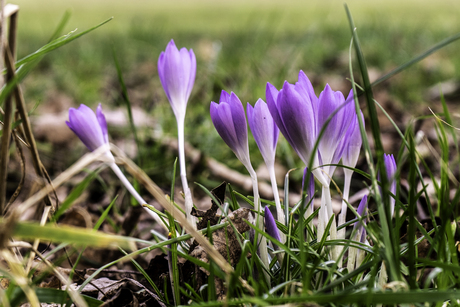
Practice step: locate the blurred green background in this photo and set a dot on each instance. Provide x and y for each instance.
(240, 46)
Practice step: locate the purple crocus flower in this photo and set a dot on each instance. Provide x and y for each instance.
(293, 109)
(390, 167)
(230, 122)
(270, 225)
(335, 130)
(264, 129)
(266, 134)
(177, 69)
(89, 127)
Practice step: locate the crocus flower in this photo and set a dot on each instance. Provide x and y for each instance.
(333, 104)
(293, 109)
(264, 129)
(177, 69)
(90, 128)
(359, 225)
(272, 230)
(390, 167)
(230, 122)
(266, 133)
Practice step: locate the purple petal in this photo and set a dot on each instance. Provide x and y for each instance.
(224, 96)
(102, 122)
(305, 85)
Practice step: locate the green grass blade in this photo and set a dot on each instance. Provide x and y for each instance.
(64, 20)
(59, 42)
(77, 236)
(418, 58)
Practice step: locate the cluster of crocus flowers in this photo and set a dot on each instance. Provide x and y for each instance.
(91, 129)
(177, 70)
(306, 120)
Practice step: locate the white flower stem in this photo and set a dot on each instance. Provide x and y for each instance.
(136, 195)
(326, 193)
(183, 171)
(346, 193)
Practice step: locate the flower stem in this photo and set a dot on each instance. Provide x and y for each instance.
(183, 171)
(326, 192)
(343, 214)
(136, 195)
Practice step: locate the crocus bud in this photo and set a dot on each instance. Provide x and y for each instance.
(264, 129)
(230, 122)
(390, 167)
(89, 127)
(177, 69)
(270, 224)
(359, 225)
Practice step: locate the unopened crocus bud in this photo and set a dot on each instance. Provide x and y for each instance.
(177, 69)
(390, 167)
(230, 122)
(270, 225)
(90, 128)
